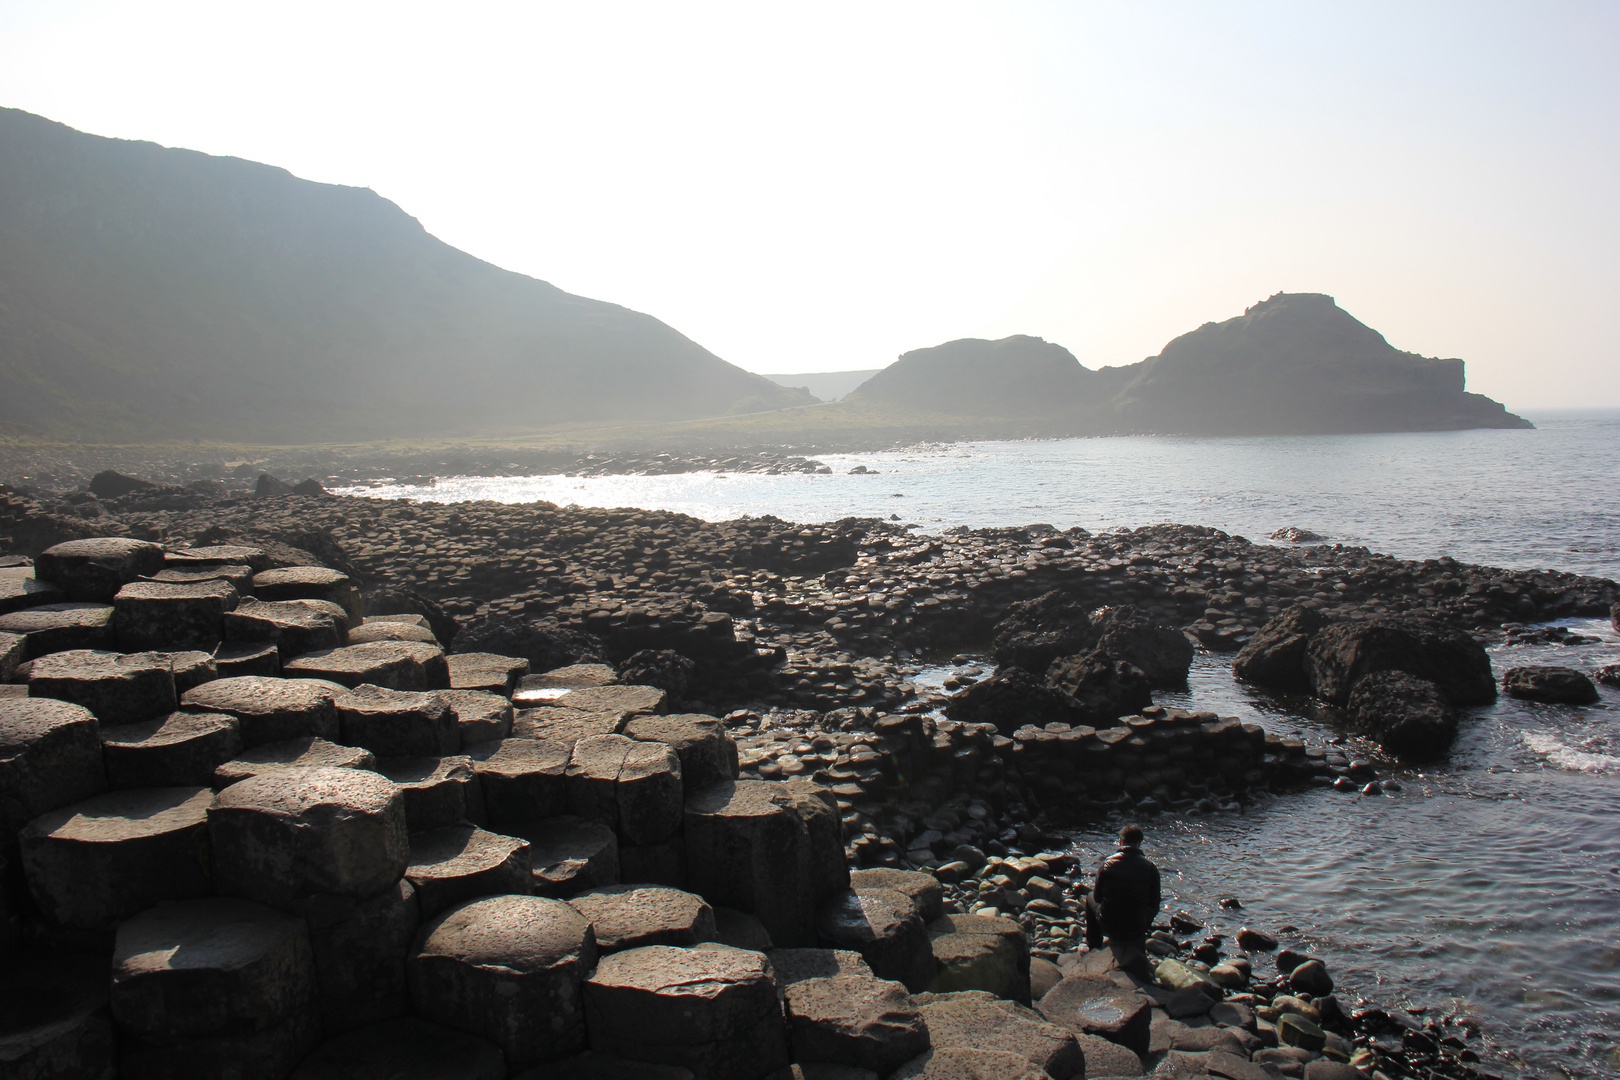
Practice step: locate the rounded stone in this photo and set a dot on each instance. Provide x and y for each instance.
(397, 723)
(96, 568)
(96, 862)
(631, 916)
(192, 968)
(509, 969)
(269, 709)
(181, 748)
(291, 754)
(854, 1020)
(460, 862)
(290, 834)
(51, 628)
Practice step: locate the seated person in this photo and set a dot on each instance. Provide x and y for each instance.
(1125, 900)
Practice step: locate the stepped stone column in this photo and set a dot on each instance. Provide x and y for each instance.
(522, 779)
(631, 916)
(979, 953)
(291, 755)
(507, 968)
(633, 787)
(282, 836)
(120, 688)
(359, 946)
(437, 791)
(480, 716)
(172, 615)
(569, 854)
(96, 862)
(271, 710)
(50, 755)
(856, 1020)
(97, 568)
(395, 723)
(883, 926)
(310, 583)
(170, 751)
(461, 862)
(292, 627)
(396, 665)
(708, 755)
(773, 850)
(52, 628)
(711, 1009)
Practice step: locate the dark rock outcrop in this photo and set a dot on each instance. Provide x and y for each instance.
(1035, 632)
(1010, 698)
(1551, 685)
(1275, 657)
(1127, 633)
(544, 643)
(1406, 715)
(1341, 654)
(1101, 687)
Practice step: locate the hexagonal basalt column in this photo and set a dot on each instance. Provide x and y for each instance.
(96, 862)
(170, 751)
(52, 628)
(633, 787)
(283, 836)
(170, 616)
(437, 791)
(291, 755)
(569, 854)
(508, 968)
(97, 568)
(292, 627)
(708, 755)
(272, 710)
(56, 1022)
(480, 716)
(461, 862)
(120, 688)
(631, 916)
(397, 723)
(50, 756)
(359, 944)
(773, 850)
(883, 926)
(396, 665)
(404, 1049)
(522, 779)
(310, 583)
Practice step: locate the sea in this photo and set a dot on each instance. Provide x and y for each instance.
(1487, 888)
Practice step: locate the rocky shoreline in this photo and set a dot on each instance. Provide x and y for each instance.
(803, 641)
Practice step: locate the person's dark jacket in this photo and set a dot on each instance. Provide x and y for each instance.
(1127, 894)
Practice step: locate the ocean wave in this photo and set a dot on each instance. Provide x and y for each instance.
(1571, 758)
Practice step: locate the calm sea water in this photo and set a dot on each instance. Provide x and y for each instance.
(1490, 886)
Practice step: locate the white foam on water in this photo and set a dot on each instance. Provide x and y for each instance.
(1561, 755)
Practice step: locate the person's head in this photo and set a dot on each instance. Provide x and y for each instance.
(1130, 836)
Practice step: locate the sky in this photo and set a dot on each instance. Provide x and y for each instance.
(821, 187)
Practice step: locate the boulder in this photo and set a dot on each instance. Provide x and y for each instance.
(394, 665)
(455, 863)
(180, 748)
(1276, 656)
(522, 779)
(310, 583)
(50, 756)
(271, 710)
(883, 926)
(120, 688)
(171, 616)
(773, 850)
(631, 916)
(978, 952)
(633, 787)
(1100, 687)
(974, 1020)
(480, 716)
(96, 862)
(397, 723)
(1009, 699)
(486, 671)
(711, 1009)
(295, 629)
(853, 1020)
(52, 628)
(708, 755)
(437, 791)
(290, 757)
(404, 1048)
(95, 569)
(1609, 675)
(665, 669)
(1550, 685)
(359, 946)
(508, 969)
(1341, 654)
(569, 854)
(1407, 716)
(283, 836)
(192, 968)
(1128, 633)
(56, 1020)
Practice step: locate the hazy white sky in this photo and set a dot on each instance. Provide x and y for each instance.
(814, 187)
